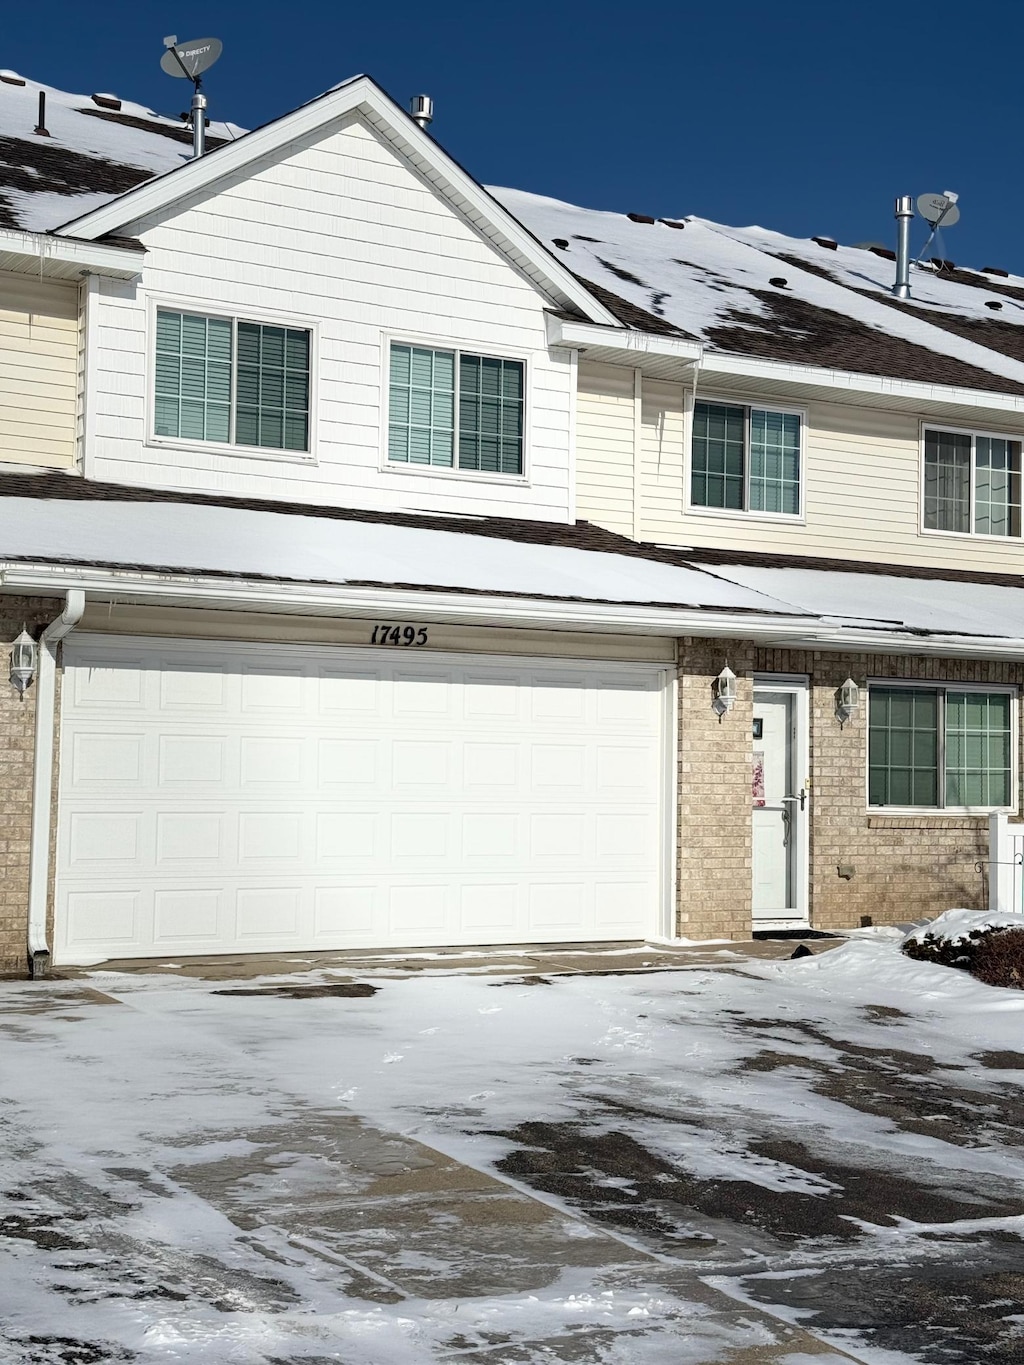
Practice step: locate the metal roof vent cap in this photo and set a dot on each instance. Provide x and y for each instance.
(106, 101)
(904, 212)
(421, 110)
(11, 78)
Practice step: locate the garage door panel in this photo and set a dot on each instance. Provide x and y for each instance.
(318, 797)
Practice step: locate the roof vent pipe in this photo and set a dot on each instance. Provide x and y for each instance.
(40, 129)
(421, 108)
(904, 214)
(198, 122)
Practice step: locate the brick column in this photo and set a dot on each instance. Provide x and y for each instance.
(714, 848)
(17, 735)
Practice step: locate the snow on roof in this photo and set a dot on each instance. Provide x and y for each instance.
(92, 154)
(831, 308)
(880, 601)
(190, 538)
(698, 278)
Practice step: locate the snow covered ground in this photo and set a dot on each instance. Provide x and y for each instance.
(188, 1171)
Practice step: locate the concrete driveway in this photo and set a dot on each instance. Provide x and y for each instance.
(644, 1166)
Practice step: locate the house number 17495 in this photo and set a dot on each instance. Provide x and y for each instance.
(386, 634)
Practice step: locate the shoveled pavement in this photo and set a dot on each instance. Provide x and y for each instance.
(166, 1196)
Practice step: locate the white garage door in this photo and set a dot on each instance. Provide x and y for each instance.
(257, 798)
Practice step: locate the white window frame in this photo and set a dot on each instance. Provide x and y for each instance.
(942, 685)
(470, 476)
(733, 400)
(266, 317)
(973, 432)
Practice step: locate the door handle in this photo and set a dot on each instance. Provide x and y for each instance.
(801, 797)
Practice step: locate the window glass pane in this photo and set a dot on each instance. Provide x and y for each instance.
(421, 406)
(996, 486)
(774, 462)
(272, 385)
(192, 398)
(978, 765)
(947, 481)
(491, 395)
(903, 747)
(716, 477)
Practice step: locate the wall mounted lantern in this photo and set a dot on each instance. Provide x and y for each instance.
(847, 701)
(723, 692)
(23, 662)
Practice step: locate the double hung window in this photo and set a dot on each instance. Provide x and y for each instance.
(234, 382)
(972, 483)
(939, 747)
(452, 410)
(745, 459)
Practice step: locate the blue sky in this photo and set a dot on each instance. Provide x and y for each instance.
(805, 117)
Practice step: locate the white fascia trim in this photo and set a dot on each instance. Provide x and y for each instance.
(580, 335)
(311, 599)
(120, 262)
(364, 96)
(715, 362)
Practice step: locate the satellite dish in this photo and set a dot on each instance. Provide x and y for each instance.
(190, 60)
(939, 210)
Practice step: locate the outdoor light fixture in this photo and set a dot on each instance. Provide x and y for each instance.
(23, 662)
(723, 691)
(847, 701)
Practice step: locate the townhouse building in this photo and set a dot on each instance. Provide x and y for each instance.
(399, 563)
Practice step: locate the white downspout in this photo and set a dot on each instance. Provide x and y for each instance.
(42, 780)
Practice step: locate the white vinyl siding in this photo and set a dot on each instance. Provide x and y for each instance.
(345, 238)
(972, 483)
(228, 381)
(39, 371)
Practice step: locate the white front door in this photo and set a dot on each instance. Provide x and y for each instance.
(779, 798)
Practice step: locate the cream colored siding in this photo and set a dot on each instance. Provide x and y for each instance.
(862, 472)
(663, 420)
(38, 371)
(604, 447)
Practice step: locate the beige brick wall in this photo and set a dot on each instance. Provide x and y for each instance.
(17, 731)
(714, 882)
(904, 866)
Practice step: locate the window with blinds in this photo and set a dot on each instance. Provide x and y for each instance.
(233, 382)
(449, 409)
(745, 459)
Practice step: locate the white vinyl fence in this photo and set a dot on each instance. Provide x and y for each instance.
(1005, 865)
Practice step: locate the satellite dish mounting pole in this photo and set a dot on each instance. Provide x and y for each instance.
(190, 60)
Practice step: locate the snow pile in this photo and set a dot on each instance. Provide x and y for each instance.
(960, 926)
